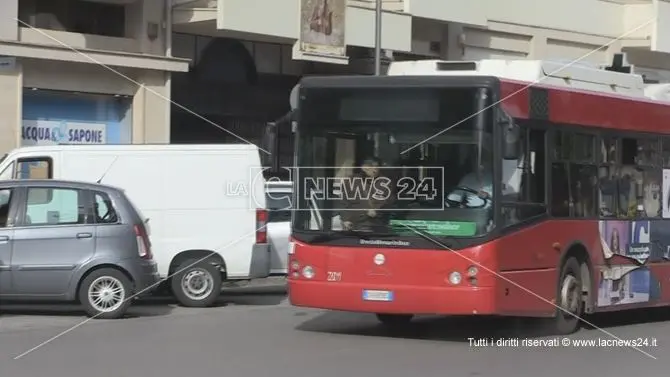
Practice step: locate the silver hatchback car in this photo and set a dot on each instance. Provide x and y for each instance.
(73, 241)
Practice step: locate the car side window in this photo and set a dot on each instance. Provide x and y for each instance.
(65, 207)
(5, 204)
(104, 210)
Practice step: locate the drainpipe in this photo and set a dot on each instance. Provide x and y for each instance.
(168, 27)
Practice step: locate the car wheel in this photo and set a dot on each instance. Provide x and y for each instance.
(105, 294)
(197, 284)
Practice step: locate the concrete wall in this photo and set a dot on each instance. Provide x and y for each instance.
(9, 9)
(11, 82)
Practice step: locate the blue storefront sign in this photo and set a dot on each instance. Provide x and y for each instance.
(52, 118)
(44, 132)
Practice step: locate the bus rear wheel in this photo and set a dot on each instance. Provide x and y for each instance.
(394, 320)
(569, 298)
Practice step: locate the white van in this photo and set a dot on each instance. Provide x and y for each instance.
(204, 204)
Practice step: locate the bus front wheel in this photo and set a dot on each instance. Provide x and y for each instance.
(570, 303)
(394, 320)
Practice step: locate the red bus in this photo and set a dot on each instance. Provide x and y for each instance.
(567, 214)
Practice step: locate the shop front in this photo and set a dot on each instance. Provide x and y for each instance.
(58, 117)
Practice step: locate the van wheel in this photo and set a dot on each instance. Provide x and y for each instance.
(105, 294)
(395, 320)
(197, 284)
(569, 298)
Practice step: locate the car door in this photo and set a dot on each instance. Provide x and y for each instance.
(7, 216)
(53, 238)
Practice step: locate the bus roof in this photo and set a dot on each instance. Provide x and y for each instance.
(550, 73)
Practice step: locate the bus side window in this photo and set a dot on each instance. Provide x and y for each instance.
(665, 151)
(574, 175)
(523, 183)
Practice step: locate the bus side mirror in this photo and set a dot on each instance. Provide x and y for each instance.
(269, 144)
(511, 136)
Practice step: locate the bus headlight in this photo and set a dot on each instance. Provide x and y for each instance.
(455, 278)
(308, 272)
(472, 271)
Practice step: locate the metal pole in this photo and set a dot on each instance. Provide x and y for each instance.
(378, 38)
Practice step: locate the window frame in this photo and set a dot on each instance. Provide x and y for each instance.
(21, 160)
(22, 211)
(527, 126)
(14, 208)
(93, 202)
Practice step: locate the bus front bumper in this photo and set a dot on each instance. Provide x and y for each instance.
(393, 299)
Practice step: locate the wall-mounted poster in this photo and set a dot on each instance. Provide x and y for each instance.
(614, 237)
(640, 241)
(626, 285)
(322, 27)
(665, 200)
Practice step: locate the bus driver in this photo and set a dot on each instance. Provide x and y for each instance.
(475, 189)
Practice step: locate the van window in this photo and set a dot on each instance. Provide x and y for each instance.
(7, 173)
(65, 207)
(105, 213)
(34, 168)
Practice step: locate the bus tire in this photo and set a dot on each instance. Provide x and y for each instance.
(569, 298)
(394, 320)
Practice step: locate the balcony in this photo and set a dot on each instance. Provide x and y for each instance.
(121, 33)
(278, 21)
(471, 12)
(77, 40)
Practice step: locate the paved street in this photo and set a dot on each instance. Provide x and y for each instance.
(258, 335)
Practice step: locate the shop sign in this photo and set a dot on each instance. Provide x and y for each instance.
(44, 132)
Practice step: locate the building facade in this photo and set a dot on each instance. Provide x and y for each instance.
(457, 29)
(85, 72)
(246, 55)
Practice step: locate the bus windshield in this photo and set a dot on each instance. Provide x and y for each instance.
(397, 161)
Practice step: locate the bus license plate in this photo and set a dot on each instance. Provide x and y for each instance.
(377, 295)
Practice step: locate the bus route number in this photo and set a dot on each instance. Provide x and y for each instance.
(333, 276)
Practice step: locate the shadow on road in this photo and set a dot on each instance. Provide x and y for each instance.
(232, 297)
(64, 310)
(459, 329)
(153, 306)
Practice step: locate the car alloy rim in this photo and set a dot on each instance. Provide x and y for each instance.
(106, 294)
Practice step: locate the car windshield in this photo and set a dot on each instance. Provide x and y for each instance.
(386, 162)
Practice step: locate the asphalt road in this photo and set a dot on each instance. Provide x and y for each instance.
(257, 334)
